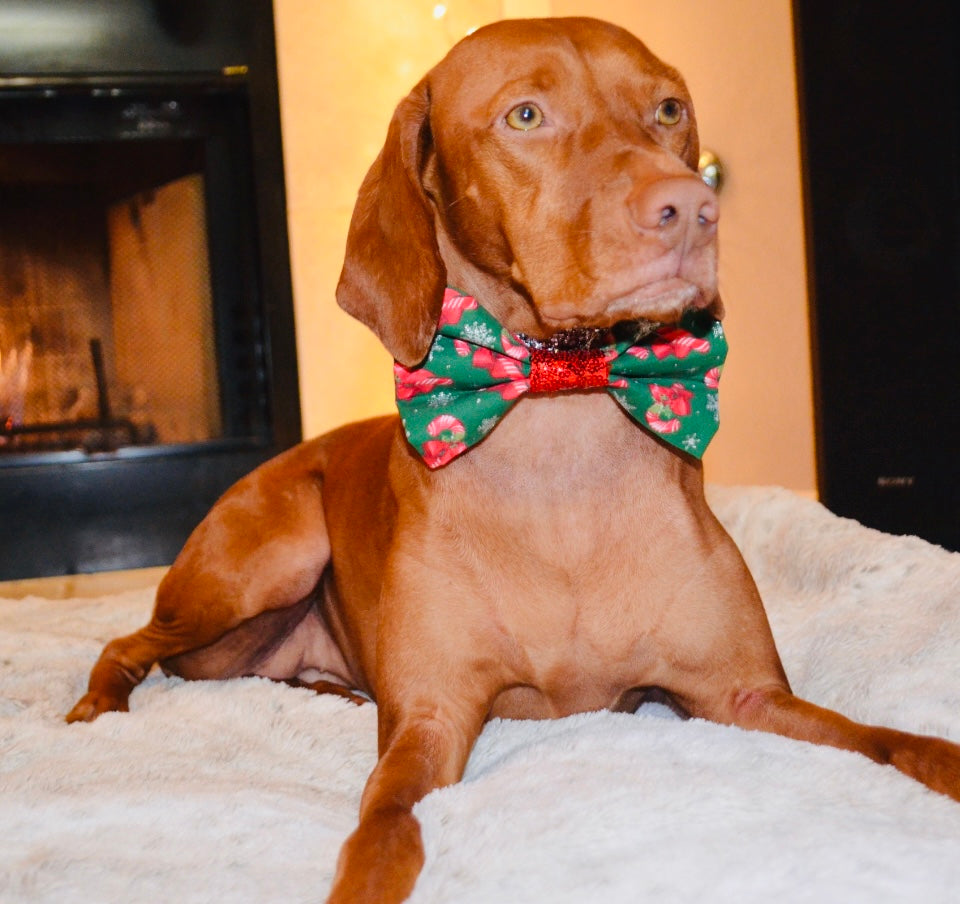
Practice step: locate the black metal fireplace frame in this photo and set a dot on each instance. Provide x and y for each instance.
(72, 512)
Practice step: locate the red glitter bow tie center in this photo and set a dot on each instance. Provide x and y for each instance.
(552, 371)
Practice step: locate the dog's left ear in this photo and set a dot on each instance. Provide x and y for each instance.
(393, 278)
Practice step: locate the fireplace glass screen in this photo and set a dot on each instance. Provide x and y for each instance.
(126, 320)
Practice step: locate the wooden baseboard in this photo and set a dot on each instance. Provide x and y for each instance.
(83, 585)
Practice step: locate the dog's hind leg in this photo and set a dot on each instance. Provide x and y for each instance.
(934, 762)
(261, 549)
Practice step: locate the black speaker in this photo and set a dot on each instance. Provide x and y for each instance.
(879, 91)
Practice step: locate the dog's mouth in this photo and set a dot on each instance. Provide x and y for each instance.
(663, 300)
(635, 313)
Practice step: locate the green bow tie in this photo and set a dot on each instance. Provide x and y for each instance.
(476, 370)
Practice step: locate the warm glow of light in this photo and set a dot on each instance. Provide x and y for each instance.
(25, 29)
(439, 11)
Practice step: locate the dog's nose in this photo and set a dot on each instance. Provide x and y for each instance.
(678, 209)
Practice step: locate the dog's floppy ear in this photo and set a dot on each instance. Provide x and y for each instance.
(393, 278)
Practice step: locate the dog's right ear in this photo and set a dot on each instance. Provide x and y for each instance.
(393, 278)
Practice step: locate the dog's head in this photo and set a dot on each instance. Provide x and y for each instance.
(554, 159)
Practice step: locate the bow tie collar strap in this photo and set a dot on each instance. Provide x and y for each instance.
(476, 369)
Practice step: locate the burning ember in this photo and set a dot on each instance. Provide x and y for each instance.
(14, 376)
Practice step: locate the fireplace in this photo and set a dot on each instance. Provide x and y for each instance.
(147, 354)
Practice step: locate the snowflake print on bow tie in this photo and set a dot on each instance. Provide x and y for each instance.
(476, 370)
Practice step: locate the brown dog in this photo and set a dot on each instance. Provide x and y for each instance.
(568, 562)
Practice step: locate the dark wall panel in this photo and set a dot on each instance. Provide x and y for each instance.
(880, 110)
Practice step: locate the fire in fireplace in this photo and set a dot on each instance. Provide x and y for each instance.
(146, 329)
(106, 309)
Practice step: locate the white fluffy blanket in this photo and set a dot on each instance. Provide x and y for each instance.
(242, 791)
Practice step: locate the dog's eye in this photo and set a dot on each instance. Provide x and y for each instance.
(670, 112)
(525, 117)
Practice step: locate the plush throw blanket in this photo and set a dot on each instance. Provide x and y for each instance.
(242, 791)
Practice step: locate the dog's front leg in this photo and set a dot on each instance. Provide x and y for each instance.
(421, 749)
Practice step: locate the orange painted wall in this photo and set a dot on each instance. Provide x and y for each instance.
(343, 67)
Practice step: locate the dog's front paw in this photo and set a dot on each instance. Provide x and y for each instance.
(933, 761)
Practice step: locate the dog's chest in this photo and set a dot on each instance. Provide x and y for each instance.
(561, 532)
(582, 634)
